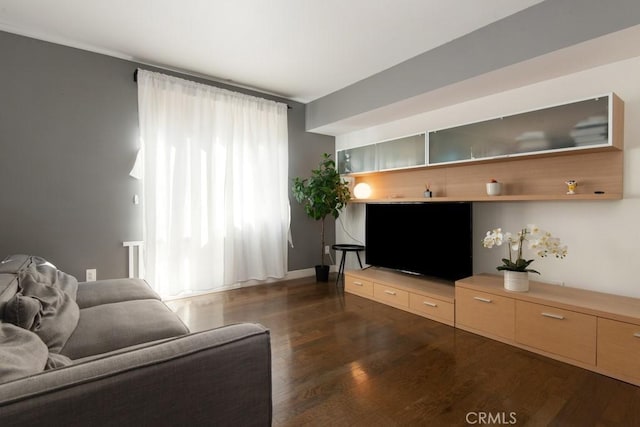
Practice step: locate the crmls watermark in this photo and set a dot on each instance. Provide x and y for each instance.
(493, 418)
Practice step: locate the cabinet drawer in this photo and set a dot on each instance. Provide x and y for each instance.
(619, 348)
(484, 312)
(390, 295)
(432, 307)
(562, 332)
(358, 286)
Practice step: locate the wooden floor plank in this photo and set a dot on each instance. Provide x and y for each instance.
(342, 360)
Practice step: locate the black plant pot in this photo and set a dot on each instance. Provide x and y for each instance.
(322, 273)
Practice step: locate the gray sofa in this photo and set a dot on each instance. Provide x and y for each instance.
(111, 353)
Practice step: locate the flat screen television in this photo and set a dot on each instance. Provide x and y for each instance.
(432, 239)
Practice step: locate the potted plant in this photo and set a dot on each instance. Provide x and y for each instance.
(323, 193)
(494, 187)
(517, 270)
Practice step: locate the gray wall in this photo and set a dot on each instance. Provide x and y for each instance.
(68, 138)
(305, 153)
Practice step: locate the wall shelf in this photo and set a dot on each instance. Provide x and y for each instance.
(513, 198)
(528, 178)
(525, 176)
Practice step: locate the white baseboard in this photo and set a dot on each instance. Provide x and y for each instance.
(295, 274)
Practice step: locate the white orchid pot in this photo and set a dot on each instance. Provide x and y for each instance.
(516, 281)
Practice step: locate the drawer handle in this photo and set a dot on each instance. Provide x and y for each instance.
(358, 283)
(430, 304)
(482, 299)
(389, 292)
(553, 316)
(637, 335)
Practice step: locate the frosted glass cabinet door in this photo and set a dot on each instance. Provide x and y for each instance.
(582, 124)
(402, 152)
(398, 153)
(360, 159)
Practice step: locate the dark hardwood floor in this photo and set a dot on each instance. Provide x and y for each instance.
(342, 360)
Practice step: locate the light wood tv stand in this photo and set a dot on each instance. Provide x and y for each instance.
(593, 330)
(433, 299)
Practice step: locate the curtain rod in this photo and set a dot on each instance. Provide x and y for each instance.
(135, 79)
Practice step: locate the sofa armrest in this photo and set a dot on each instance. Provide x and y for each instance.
(216, 377)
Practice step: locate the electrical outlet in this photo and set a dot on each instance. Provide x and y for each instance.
(91, 275)
(326, 249)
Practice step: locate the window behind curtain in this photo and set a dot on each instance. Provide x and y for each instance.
(215, 198)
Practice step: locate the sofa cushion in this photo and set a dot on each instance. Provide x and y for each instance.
(41, 270)
(45, 272)
(56, 360)
(23, 311)
(8, 288)
(14, 263)
(9, 268)
(116, 290)
(22, 353)
(31, 268)
(108, 327)
(59, 314)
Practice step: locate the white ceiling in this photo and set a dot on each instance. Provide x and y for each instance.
(297, 49)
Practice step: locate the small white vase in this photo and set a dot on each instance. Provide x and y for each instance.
(516, 281)
(494, 188)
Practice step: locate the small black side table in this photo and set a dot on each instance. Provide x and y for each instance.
(345, 249)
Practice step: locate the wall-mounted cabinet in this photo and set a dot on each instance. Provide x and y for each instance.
(532, 154)
(580, 125)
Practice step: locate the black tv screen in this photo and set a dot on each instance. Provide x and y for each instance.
(432, 239)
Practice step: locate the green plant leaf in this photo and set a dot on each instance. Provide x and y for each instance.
(323, 193)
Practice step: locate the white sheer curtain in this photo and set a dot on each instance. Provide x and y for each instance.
(215, 198)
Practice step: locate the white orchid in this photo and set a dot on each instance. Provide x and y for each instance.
(542, 243)
(493, 238)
